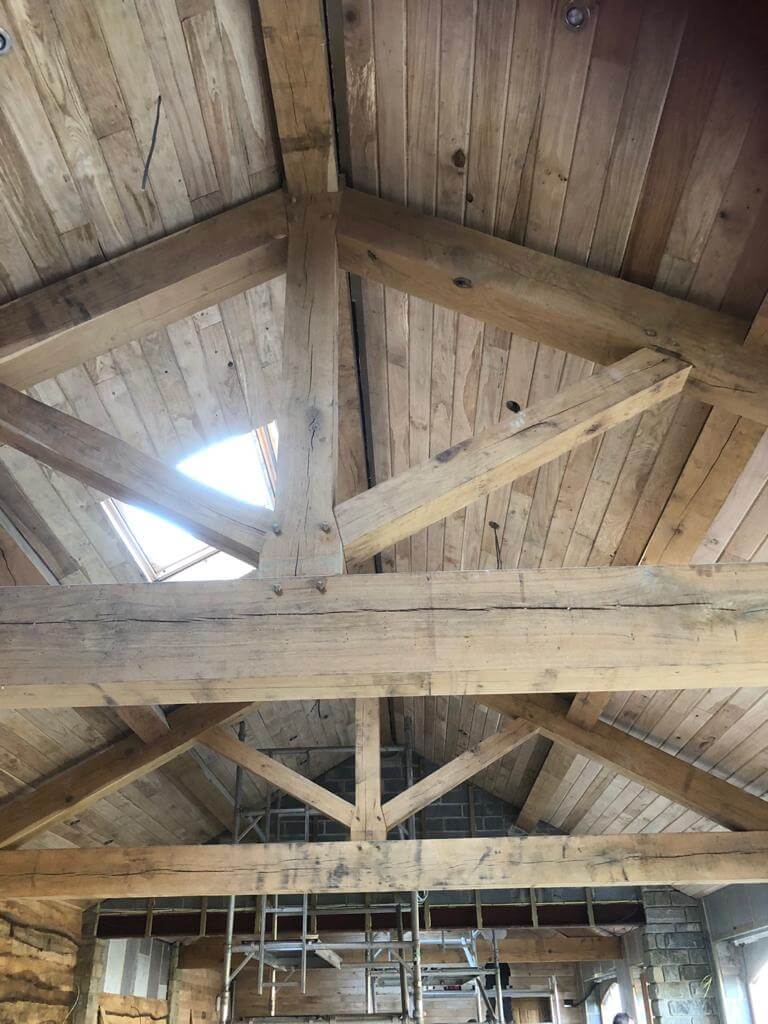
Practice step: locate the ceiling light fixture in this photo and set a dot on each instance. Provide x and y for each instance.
(576, 16)
(6, 42)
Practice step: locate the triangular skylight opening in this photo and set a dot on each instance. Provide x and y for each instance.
(242, 467)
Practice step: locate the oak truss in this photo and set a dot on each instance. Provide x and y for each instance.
(302, 628)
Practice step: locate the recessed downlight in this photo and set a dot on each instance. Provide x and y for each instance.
(576, 16)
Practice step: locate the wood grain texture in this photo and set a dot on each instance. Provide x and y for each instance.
(340, 867)
(117, 469)
(456, 771)
(589, 314)
(280, 775)
(368, 819)
(519, 444)
(297, 58)
(307, 538)
(548, 630)
(94, 311)
(121, 763)
(672, 777)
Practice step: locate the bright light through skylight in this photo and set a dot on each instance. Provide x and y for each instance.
(237, 467)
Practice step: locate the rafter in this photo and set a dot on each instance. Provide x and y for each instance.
(720, 455)
(693, 858)
(585, 711)
(576, 630)
(669, 776)
(122, 471)
(450, 775)
(187, 771)
(86, 315)
(308, 792)
(65, 794)
(549, 300)
(451, 480)
(297, 58)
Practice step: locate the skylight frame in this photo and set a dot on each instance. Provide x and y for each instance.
(266, 438)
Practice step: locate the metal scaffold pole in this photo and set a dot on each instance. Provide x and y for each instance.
(226, 1008)
(418, 990)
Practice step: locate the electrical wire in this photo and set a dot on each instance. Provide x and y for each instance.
(152, 144)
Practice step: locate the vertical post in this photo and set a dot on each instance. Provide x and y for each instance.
(369, 819)
(499, 986)
(305, 540)
(418, 993)
(368, 957)
(473, 832)
(404, 1001)
(479, 992)
(555, 1001)
(275, 923)
(264, 901)
(304, 913)
(225, 1011)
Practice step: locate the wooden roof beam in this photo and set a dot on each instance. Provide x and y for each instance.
(451, 480)
(87, 314)
(297, 59)
(549, 300)
(121, 471)
(716, 799)
(692, 858)
(187, 771)
(278, 774)
(566, 630)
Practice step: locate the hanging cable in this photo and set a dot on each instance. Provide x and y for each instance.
(497, 543)
(152, 144)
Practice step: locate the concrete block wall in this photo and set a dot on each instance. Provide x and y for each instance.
(676, 952)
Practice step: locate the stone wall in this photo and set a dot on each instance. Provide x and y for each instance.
(38, 953)
(676, 953)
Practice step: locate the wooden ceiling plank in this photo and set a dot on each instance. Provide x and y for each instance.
(186, 771)
(585, 711)
(121, 471)
(286, 779)
(402, 505)
(363, 636)
(450, 775)
(121, 763)
(717, 463)
(346, 867)
(89, 313)
(672, 777)
(548, 300)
